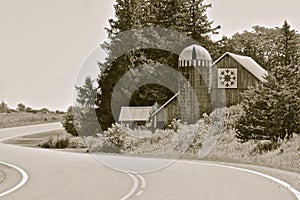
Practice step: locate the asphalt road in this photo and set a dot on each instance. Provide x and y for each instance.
(70, 176)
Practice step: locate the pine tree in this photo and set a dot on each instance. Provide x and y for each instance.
(81, 119)
(272, 111)
(269, 113)
(69, 123)
(195, 22)
(288, 49)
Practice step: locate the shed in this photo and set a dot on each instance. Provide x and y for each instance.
(135, 115)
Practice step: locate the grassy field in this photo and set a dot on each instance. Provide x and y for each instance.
(21, 119)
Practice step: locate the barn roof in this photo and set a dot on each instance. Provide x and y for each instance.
(248, 63)
(141, 113)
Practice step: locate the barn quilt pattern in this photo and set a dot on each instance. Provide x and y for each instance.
(227, 78)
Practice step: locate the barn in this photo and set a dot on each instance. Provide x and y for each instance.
(204, 86)
(210, 84)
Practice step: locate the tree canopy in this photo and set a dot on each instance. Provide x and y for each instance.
(3, 107)
(272, 110)
(188, 17)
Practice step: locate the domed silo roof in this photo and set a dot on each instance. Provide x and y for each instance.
(194, 55)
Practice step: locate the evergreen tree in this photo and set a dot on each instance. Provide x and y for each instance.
(272, 111)
(288, 49)
(81, 119)
(69, 123)
(85, 109)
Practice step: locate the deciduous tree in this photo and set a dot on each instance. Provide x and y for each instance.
(21, 107)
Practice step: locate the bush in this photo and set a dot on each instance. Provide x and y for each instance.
(271, 110)
(220, 122)
(100, 144)
(69, 122)
(117, 135)
(174, 125)
(264, 147)
(62, 143)
(58, 144)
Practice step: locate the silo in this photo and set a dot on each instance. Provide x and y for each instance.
(195, 65)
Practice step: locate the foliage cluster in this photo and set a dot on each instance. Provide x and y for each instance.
(4, 108)
(272, 110)
(22, 108)
(56, 144)
(81, 119)
(269, 47)
(143, 142)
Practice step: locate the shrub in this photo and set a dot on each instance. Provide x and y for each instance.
(174, 125)
(264, 147)
(220, 122)
(62, 143)
(117, 135)
(100, 144)
(58, 144)
(69, 122)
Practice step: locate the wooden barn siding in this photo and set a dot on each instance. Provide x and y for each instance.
(244, 81)
(201, 90)
(170, 112)
(173, 110)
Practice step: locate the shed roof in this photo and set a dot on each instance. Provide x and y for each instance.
(141, 113)
(248, 63)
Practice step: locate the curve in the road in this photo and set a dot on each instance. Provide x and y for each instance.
(276, 180)
(22, 182)
(139, 183)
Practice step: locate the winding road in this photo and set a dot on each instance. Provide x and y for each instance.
(71, 176)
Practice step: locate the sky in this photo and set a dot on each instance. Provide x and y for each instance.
(48, 46)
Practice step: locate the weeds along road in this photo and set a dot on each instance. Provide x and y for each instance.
(69, 176)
